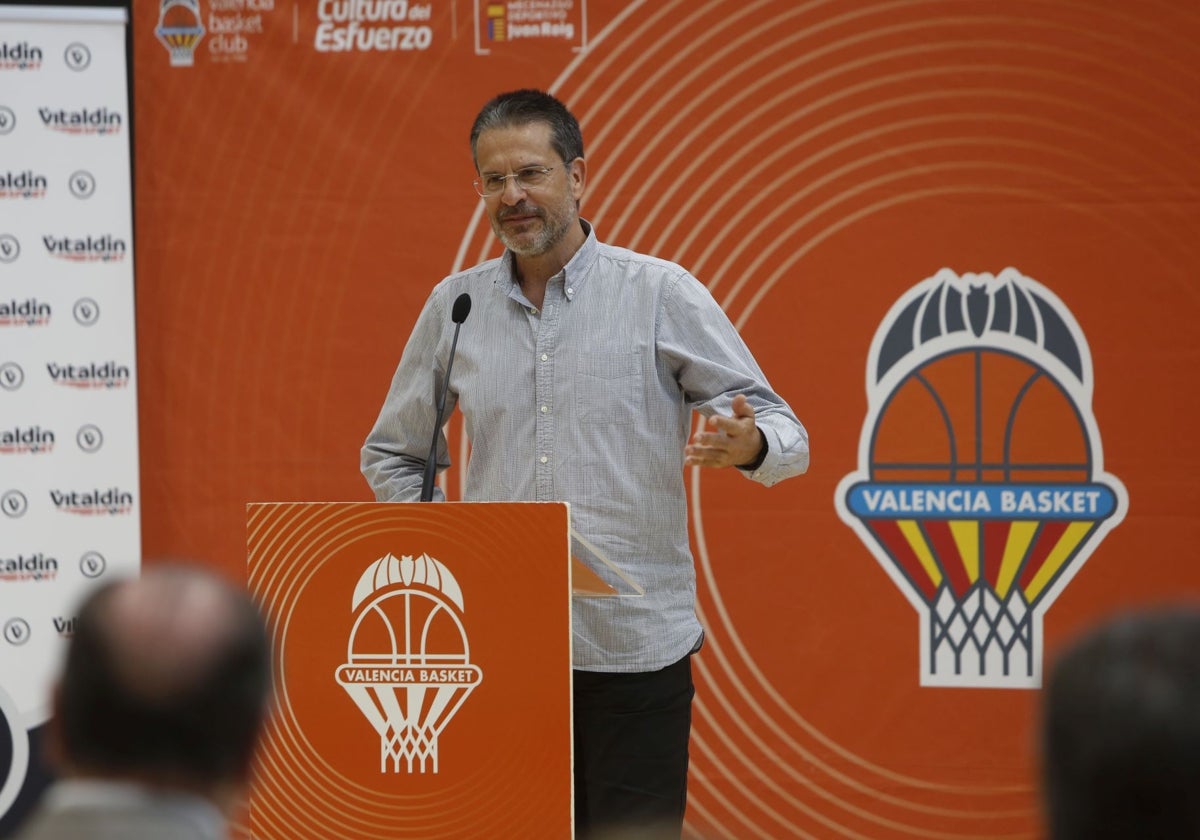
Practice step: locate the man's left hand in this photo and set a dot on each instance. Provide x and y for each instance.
(723, 441)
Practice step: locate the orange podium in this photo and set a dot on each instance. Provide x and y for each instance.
(422, 672)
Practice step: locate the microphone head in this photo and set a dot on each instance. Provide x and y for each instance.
(462, 308)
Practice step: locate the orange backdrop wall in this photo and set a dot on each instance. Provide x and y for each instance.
(811, 162)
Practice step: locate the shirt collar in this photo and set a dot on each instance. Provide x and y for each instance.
(574, 273)
(577, 269)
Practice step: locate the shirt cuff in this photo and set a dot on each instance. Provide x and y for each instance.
(762, 454)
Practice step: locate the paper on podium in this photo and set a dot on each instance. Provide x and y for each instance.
(593, 575)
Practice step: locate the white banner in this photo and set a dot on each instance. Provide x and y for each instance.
(69, 493)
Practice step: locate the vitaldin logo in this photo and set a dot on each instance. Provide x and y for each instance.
(109, 374)
(81, 120)
(20, 55)
(980, 486)
(100, 248)
(111, 501)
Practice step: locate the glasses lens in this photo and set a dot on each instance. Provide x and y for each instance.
(533, 177)
(529, 178)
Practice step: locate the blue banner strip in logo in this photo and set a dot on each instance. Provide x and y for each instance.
(1075, 502)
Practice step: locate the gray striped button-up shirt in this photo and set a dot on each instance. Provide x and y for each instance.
(586, 401)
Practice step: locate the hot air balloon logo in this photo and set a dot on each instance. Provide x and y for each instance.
(408, 665)
(180, 30)
(980, 486)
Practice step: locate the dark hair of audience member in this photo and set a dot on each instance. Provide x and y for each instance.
(201, 729)
(1121, 731)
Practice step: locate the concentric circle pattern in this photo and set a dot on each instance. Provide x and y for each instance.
(319, 771)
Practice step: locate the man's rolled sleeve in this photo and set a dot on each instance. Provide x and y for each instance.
(787, 450)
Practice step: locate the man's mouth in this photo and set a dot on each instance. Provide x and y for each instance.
(517, 217)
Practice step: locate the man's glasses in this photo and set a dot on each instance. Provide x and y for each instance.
(529, 178)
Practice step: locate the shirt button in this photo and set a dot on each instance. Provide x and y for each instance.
(533, 310)
(545, 357)
(570, 291)
(543, 459)
(545, 409)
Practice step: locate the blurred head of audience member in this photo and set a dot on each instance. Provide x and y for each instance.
(159, 707)
(1121, 730)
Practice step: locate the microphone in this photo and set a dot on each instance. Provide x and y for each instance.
(458, 314)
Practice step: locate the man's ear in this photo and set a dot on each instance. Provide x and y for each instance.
(578, 175)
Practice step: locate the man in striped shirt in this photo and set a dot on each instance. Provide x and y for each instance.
(577, 380)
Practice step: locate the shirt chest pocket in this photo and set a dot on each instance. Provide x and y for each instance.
(608, 387)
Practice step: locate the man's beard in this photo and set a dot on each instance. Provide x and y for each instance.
(554, 228)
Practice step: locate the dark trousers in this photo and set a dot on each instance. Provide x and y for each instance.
(631, 752)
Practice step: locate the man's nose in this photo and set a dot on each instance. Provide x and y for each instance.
(513, 192)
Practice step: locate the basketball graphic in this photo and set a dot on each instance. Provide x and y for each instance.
(180, 30)
(980, 487)
(408, 661)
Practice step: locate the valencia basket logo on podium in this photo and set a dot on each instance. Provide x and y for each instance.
(408, 665)
(980, 486)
